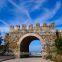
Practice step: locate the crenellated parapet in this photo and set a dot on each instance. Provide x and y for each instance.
(43, 30)
(36, 28)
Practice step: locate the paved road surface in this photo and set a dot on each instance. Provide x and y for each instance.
(28, 60)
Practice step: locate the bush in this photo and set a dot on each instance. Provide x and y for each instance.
(58, 44)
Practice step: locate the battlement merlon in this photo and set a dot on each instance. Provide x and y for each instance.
(32, 28)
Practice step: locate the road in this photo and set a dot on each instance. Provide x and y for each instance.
(28, 60)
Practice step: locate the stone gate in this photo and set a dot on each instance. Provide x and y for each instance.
(19, 38)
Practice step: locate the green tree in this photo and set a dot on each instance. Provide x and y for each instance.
(58, 43)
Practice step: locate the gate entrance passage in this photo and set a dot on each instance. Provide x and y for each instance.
(25, 42)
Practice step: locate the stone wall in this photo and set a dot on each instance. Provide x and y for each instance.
(46, 32)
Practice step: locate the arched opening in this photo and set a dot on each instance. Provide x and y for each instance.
(25, 43)
(35, 48)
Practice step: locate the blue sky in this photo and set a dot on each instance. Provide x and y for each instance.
(35, 46)
(13, 12)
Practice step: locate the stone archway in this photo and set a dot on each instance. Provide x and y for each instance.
(24, 41)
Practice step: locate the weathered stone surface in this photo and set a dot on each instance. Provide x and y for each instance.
(16, 37)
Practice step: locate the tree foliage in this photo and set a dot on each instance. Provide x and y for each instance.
(58, 43)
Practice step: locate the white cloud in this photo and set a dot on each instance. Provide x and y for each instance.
(4, 29)
(50, 13)
(4, 23)
(39, 3)
(21, 9)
